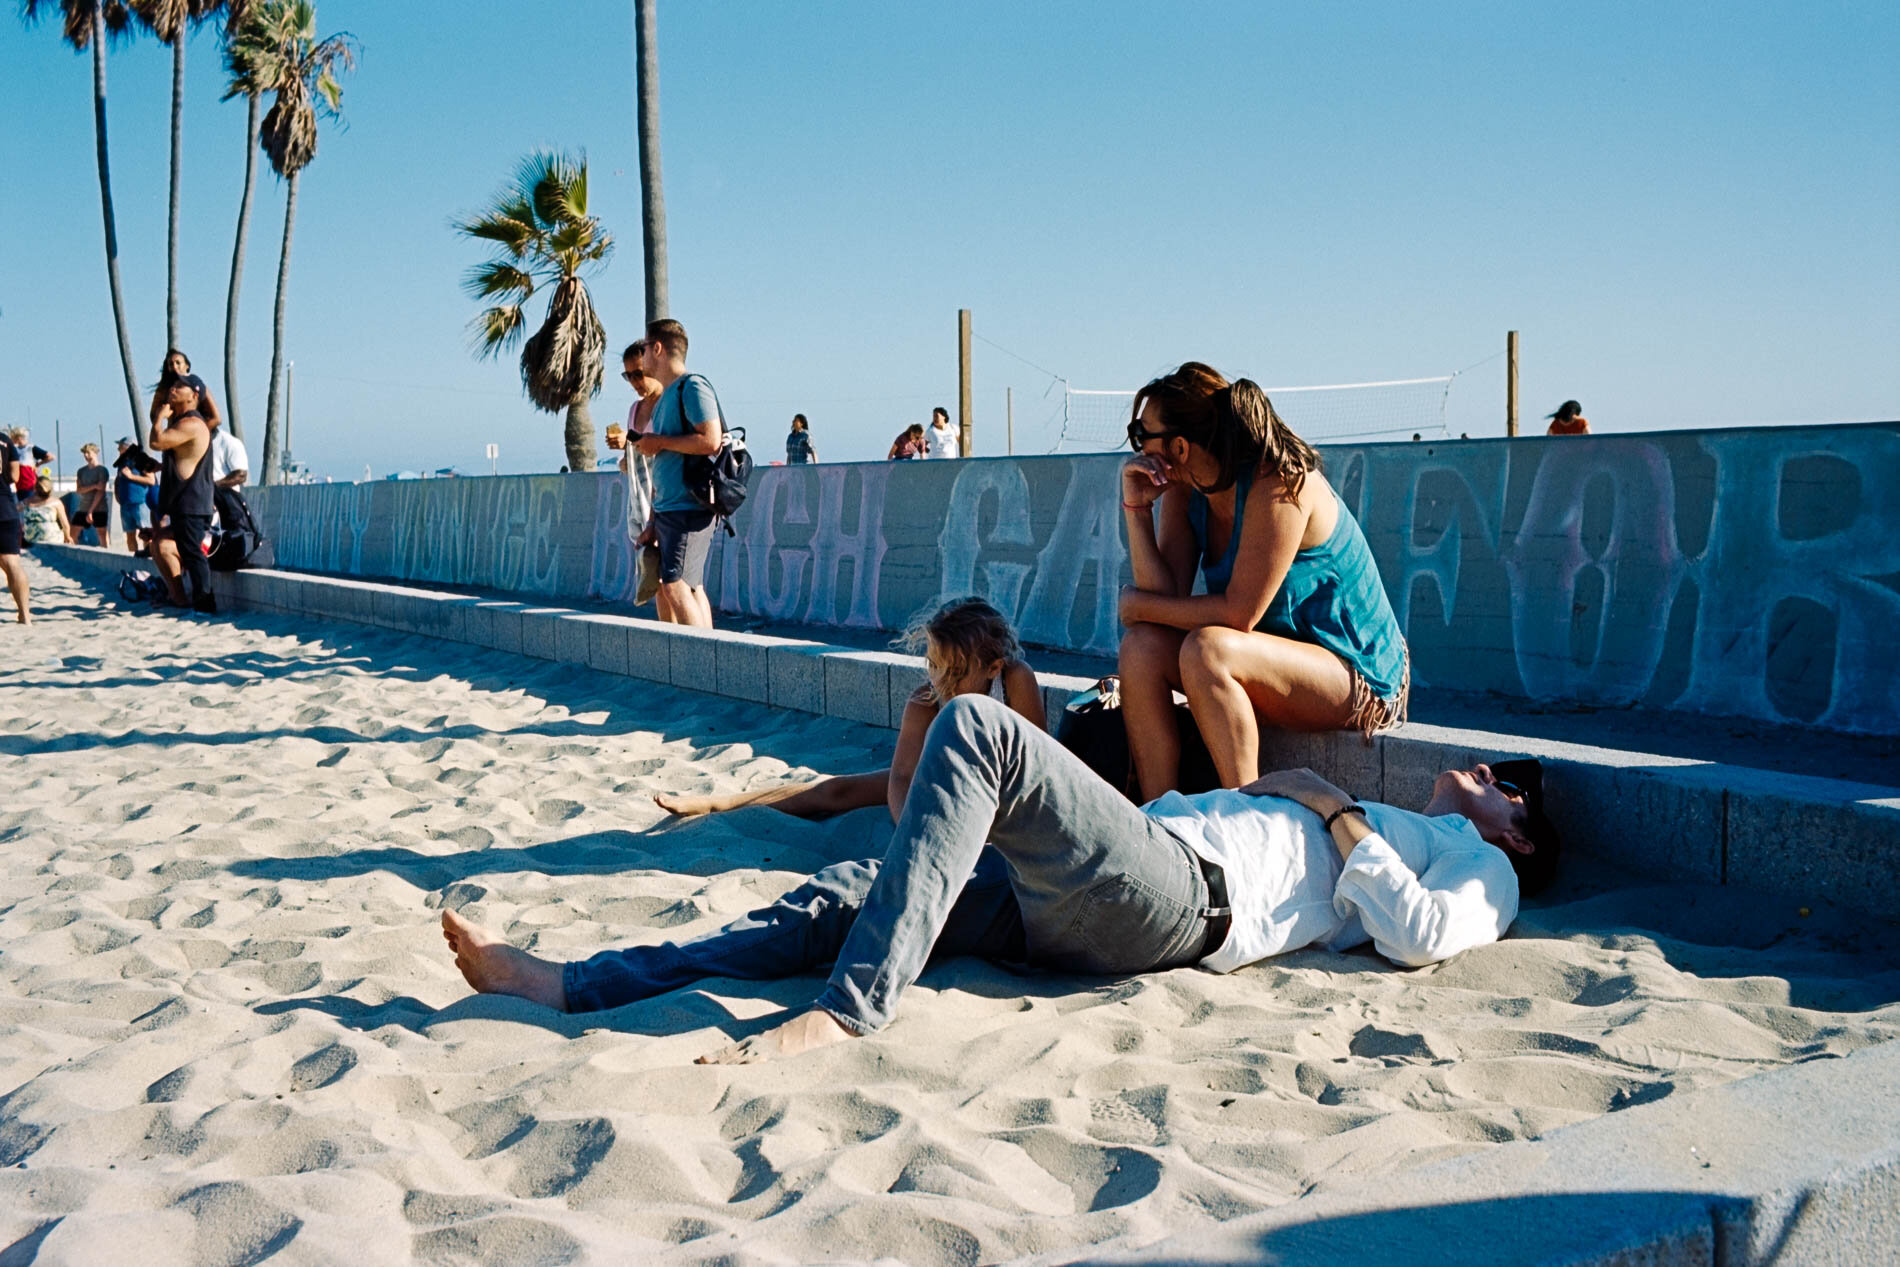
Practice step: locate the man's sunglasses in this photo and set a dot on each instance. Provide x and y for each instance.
(1509, 788)
(1137, 436)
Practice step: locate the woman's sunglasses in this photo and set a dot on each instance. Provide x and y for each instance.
(1138, 436)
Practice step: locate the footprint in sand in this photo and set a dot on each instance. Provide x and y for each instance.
(554, 811)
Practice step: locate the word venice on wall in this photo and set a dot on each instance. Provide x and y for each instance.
(1750, 572)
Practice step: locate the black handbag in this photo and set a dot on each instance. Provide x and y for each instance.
(1093, 729)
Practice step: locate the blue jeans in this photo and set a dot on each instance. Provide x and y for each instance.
(1008, 848)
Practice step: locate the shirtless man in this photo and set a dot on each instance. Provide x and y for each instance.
(181, 438)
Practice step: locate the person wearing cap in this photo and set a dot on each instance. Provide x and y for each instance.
(1010, 848)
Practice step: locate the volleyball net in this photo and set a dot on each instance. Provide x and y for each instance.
(1336, 413)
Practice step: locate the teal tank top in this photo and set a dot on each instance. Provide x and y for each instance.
(1331, 596)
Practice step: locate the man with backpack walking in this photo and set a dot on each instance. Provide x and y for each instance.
(686, 424)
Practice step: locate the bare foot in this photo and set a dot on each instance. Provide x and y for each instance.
(492, 966)
(687, 806)
(803, 1033)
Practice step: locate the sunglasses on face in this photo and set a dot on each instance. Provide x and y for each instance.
(1138, 436)
(1509, 788)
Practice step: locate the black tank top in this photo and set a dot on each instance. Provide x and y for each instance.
(191, 495)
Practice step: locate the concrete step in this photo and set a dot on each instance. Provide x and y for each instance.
(1801, 839)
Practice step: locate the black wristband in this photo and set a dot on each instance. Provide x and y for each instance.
(1353, 808)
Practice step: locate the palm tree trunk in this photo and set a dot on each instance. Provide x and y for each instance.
(178, 168)
(580, 436)
(652, 196)
(237, 269)
(273, 421)
(112, 230)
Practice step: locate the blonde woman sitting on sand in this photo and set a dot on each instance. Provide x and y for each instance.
(969, 649)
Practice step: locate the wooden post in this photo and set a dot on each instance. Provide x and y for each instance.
(965, 440)
(1510, 383)
(1009, 418)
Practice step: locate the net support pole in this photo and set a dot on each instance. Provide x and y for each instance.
(1009, 419)
(1510, 383)
(964, 424)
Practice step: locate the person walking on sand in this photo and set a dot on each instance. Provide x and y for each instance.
(686, 423)
(798, 445)
(942, 438)
(1294, 629)
(94, 511)
(12, 530)
(969, 649)
(1568, 420)
(1010, 848)
(185, 500)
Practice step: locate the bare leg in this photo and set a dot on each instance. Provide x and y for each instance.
(492, 966)
(1236, 679)
(16, 581)
(822, 799)
(165, 554)
(805, 1032)
(702, 608)
(667, 602)
(1150, 667)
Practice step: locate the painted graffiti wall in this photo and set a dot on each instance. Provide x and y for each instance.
(1751, 573)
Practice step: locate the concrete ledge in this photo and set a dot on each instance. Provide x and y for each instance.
(1799, 1165)
(1802, 839)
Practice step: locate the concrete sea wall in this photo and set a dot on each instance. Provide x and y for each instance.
(1750, 572)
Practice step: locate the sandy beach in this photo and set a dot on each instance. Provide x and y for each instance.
(232, 1029)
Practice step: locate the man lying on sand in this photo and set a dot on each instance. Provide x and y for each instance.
(1011, 849)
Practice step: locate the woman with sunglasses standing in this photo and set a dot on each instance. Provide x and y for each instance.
(1294, 631)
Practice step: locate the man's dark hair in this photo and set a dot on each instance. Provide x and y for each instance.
(669, 334)
(633, 349)
(941, 410)
(1535, 870)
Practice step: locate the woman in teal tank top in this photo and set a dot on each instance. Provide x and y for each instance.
(1294, 630)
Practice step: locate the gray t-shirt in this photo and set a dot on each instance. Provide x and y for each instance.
(688, 400)
(91, 482)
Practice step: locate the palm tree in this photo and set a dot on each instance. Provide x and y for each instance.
(170, 21)
(282, 52)
(244, 82)
(85, 24)
(543, 236)
(652, 197)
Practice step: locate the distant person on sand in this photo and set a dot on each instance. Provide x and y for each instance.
(185, 500)
(942, 437)
(969, 649)
(1569, 420)
(1010, 848)
(1294, 630)
(798, 446)
(12, 530)
(686, 423)
(95, 512)
(132, 483)
(910, 444)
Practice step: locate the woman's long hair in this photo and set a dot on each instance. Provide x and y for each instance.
(1234, 422)
(1566, 412)
(166, 375)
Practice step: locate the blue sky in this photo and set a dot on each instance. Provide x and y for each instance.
(1691, 211)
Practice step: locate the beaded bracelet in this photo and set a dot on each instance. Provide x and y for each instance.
(1353, 808)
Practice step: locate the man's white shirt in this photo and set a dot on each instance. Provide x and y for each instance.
(944, 442)
(1420, 889)
(227, 454)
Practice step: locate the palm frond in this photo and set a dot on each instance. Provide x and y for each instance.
(499, 279)
(75, 19)
(507, 230)
(496, 330)
(561, 362)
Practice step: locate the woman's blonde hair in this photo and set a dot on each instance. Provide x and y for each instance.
(967, 632)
